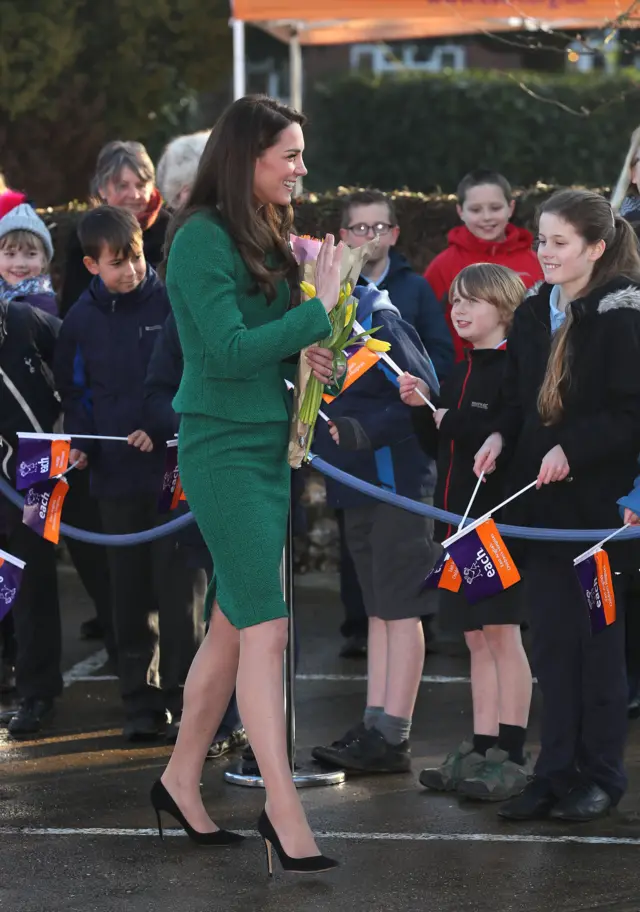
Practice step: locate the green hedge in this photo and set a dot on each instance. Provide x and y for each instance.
(425, 131)
(424, 220)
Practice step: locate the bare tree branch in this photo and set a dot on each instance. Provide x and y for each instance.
(583, 112)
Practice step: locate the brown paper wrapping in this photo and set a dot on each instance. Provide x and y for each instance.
(353, 260)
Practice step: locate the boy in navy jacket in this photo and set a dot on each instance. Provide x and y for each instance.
(367, 214)
(103, 352)
(371, 437)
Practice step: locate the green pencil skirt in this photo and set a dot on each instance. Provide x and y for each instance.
(237, 483)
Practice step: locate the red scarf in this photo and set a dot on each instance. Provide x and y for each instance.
(150, 214)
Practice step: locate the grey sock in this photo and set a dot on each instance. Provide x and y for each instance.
(371, 715)
(393, 729)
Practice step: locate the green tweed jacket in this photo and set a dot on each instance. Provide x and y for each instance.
(232, 340)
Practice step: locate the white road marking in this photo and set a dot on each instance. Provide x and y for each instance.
(81, 671)
(345, 836)
(426, 679)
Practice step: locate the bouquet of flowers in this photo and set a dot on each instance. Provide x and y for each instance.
(309, 390)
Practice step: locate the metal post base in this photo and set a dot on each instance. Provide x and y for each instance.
(305, 776)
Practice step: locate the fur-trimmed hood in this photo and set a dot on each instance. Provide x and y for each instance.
(628, 297)
(534, 290)
(620, 293)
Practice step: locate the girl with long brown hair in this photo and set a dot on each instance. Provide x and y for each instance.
(232, 282)
(571, 416)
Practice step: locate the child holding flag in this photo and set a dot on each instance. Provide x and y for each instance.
(29, 402)
(391, 548)
(571, 415)
(492, 764)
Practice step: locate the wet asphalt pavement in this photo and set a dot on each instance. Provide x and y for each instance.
(76, 826)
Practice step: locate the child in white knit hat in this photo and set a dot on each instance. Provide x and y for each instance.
(26, 251)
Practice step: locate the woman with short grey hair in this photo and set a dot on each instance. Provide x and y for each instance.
(178, 167)
(124, 177)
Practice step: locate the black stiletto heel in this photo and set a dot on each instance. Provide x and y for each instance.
(313, 864)
(160, 833)
(162, 801)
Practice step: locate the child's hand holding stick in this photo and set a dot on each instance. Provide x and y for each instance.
(414, 392)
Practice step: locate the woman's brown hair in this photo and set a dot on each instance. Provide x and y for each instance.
(224, 186)
(594, 220)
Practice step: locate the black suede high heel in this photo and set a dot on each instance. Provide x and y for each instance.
(313, 864)
(162, 801)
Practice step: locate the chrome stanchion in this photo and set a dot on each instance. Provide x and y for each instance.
(246, 772)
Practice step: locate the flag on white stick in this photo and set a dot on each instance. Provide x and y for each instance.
(392, 364)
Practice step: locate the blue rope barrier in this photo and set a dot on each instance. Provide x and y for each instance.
(395, 500)
(415, 506)
(101, 538)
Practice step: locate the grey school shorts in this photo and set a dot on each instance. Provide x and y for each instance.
(392, 551)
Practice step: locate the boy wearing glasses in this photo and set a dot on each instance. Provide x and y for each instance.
(368, 214)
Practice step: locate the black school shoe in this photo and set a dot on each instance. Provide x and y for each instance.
(370, 753)
(32, 714)
(583, 803)
(327, 754)
(145, 726)
(535, 802)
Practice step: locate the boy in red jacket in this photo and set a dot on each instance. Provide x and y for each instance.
(485, 205)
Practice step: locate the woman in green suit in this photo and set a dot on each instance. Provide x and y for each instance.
(233, 285)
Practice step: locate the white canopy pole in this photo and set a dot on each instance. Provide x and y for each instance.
(295, 80)
(239, 63)
(295, 68)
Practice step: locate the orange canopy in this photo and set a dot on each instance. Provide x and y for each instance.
(346, 21)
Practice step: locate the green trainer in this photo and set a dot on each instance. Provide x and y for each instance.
(497, 779)
(459, 765)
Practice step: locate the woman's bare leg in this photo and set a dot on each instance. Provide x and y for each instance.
(207, 692)
(259, 692)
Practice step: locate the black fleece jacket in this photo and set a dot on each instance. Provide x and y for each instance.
(28, 400)
(599, 429)
(471, 394)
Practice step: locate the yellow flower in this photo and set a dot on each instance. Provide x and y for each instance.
(347, 316)
(308, 289)
(377, 345)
